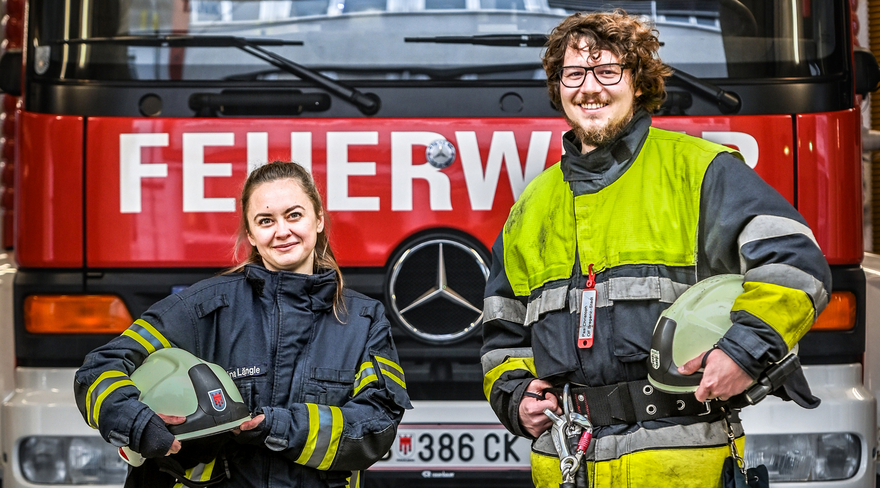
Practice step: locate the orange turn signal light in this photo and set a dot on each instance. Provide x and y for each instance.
(840, 314)
(75, 314)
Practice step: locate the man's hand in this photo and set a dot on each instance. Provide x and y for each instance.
(722, 378)
(172, 420)
(531, 410)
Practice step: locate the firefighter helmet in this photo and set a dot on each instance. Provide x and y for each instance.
(174, 382)
(692, 325)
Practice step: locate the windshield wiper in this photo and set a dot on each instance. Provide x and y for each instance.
(728, 102)
(522, 40)
(451, 73)
(367, 103)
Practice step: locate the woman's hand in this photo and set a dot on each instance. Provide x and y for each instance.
(251, 424)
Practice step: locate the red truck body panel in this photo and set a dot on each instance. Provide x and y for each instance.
(161, 192)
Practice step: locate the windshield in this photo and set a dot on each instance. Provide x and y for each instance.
(373, 39)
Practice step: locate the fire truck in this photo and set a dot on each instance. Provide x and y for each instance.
(128, 127)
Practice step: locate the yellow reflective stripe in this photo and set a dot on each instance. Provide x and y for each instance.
(335, 435)
(364, 376)
(788, 311)
(391, 364)
(143, 323)
(325, 431)
(199, 472)
(394, 378)
(366, 370)
(134, 335)
(354, 481)
(146, 335)
(312, 440)
(510, 364)
(93, 415)
(364, 382)
(367, 374)
(209, 470)
(102, 396)
(392, 370)
(90, 392)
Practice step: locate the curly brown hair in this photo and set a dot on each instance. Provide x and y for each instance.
(634, 43)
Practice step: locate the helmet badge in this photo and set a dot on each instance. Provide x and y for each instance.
(218, 400)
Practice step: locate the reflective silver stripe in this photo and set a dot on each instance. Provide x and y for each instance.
(701, 434)
(493, 358)
(788, 276)
(503, 308)
(648, 288)
(770, 226)
(549, 300)
(606, 448)
(325, 435)
(196, 473)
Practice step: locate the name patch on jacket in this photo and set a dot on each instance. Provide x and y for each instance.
(245, 371)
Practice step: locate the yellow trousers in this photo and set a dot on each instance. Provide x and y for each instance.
(674, 456)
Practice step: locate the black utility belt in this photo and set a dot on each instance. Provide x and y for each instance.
(633, 401)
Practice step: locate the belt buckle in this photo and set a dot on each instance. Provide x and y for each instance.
(708, 409)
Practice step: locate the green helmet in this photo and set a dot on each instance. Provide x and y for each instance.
(693, 324)
(174, 382)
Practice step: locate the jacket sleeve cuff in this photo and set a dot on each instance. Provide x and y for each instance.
(126, 425)
(278, 422)
(746, 349)
(516, 396)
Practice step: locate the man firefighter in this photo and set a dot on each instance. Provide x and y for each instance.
(601, 243)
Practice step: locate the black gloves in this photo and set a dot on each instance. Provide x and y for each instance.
(155, 439)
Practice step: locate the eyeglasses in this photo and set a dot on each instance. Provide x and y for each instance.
(606, 74)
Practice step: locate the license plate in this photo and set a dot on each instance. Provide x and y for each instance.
(462, 446)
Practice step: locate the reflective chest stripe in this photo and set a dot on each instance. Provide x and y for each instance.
(663, 290)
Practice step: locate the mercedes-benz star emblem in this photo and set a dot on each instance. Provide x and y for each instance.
(441, 289)
(459, 311)
(440, 153)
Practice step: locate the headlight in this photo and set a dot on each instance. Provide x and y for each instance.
(805, 457)
(70, 460)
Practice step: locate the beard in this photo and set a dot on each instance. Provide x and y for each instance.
(599, 136)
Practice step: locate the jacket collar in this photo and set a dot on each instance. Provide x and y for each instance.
(319, 288)
(590, 172)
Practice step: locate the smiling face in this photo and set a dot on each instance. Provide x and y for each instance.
(283, 226)
(594, 111)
